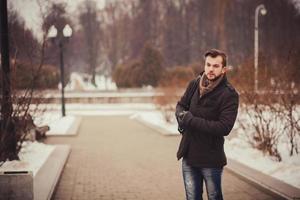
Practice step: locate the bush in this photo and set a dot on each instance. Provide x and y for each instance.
(118, 76)
(24, 73)
(145, 71)
(272, 111)
(165, 101)
(261, 124)
(49, 77)
(177, 77)
(173, 81)
(243, 76)
(197, 67)
(128, 75)
(151, 63)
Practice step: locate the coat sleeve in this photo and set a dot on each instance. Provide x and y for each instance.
(224, 124)
(183, 103)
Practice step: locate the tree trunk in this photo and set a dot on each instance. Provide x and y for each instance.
(7, 132)
(220, 23)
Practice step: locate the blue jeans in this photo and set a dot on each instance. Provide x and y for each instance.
(193, 182)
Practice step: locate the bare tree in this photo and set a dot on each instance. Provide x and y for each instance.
(170, 88)
(112, 33)
(91, 28)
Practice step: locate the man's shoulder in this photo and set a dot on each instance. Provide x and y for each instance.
(230, 89)
(195, 80)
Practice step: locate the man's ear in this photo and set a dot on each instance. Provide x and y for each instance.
(224, 70)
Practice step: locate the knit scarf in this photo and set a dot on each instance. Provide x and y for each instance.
(207, 86)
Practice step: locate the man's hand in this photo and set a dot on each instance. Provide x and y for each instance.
(181, 115)
(184, 118)
(187, 117)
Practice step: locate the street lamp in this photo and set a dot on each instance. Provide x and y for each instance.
(260, 9)
(61, 37)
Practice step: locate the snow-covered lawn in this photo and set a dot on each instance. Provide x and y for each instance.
(287, 170)
(32, 156)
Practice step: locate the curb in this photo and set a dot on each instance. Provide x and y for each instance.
(266, 182)
(16, 185)
(48, 175)
(72, 130)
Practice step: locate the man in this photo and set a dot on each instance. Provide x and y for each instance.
(206, 113)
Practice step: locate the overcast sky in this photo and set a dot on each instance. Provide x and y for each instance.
(29, 10)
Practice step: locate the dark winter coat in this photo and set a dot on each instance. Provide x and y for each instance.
(209, 119)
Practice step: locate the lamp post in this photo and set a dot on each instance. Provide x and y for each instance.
(61, 37)
(260, 9)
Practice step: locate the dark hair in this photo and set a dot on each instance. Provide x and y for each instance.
(214, 53)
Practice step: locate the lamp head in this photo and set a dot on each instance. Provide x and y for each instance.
(52, 32)
(67, 31)
(263, 11)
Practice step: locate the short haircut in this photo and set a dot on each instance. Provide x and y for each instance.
(214, 53)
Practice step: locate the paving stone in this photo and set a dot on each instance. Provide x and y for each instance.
(116, 158)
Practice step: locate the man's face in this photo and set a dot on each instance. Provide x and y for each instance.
(213, 67)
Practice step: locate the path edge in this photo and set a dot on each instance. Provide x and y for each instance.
(47, 177)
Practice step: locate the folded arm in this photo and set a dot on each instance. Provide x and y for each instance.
(220, 127)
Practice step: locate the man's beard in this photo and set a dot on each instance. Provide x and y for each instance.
(214, 79)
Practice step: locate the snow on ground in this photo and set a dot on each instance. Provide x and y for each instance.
(236, 148)
(288, 170)
(106, 94)
(32, 157)
(82, 82)
(61, 125)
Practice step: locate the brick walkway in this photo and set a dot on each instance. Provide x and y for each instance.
(114, 157)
